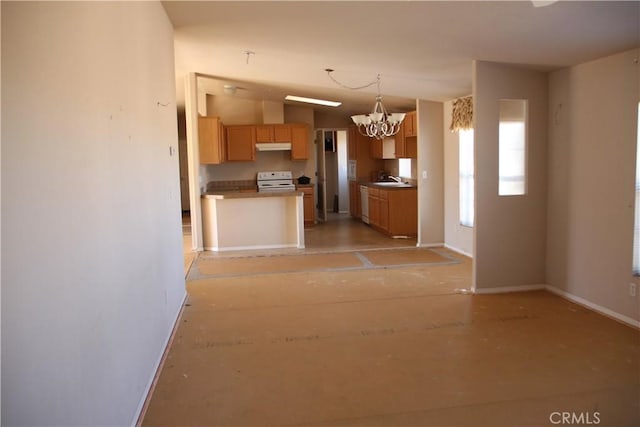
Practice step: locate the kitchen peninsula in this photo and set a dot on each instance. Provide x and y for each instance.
(242, 220)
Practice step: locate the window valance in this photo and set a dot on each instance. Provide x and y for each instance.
(462, 115)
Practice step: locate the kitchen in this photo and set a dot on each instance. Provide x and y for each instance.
(274, 135)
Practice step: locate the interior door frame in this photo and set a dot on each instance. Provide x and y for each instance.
(321, 176)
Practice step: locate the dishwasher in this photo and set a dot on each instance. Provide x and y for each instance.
(364, 194)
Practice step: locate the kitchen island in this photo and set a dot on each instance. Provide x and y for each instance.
(243, 221)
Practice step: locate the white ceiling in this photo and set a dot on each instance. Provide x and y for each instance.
(421, 49)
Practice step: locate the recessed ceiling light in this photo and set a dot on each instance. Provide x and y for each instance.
(313, 101)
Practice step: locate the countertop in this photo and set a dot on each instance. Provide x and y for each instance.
(220, 195)
(390, 187)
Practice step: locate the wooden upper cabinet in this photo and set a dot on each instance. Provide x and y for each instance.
(406, 140)
(282, 133)
(410, 126)
(264, 133)
(299, 142)
(273, 133)
(411, 147)
(211, 140)
(241, 143)
(401, 151)
(375, 148)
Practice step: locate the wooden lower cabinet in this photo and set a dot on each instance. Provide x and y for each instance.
(309, 205)
(374, 207)
(394, 212)
(355, 201)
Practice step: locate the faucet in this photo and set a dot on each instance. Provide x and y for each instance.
(396, 179)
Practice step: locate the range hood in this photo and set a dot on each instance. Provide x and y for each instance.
(273, 146)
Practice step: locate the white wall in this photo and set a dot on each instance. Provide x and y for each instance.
(510, 231)
(430, 159)
(92, 269)
(456, 236)
(593, 111)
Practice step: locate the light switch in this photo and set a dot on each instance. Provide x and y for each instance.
(424, 174)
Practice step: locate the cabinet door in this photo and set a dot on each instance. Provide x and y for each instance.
(374, 211)
(241, 143)
(355, 200)
(410, 128)
(264, 133)
(299, 142)
(210, 140)
(375, 148)
(308, 203)
(411, 147)
(403, 212)
(309, 211)
(383, 211)
(374, 207)
(400, 143)
(282, 133)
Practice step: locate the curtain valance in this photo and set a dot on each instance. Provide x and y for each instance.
(462, 115)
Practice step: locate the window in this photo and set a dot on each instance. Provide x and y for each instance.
(465, 138)
(404, 168)
(636, 229)
(512, 147)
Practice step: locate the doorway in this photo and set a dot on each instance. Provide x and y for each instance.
(333, 186)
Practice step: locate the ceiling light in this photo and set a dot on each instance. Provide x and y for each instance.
(313, 101)
(379, 123)
(230, 89)
(543, 3)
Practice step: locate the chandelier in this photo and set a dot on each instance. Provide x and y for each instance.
(379, 123)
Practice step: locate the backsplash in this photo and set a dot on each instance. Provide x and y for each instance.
(265, 161)
(231, 185)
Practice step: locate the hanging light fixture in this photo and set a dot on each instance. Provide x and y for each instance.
(379, 123)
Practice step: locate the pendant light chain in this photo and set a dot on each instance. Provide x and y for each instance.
(379, 123)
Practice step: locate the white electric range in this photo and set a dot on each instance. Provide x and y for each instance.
(279, 181)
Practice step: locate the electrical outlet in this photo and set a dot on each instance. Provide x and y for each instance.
(633, 289)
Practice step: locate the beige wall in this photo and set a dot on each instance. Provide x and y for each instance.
(592, 145)
(509, 231)
(234, 111)
(430, 160)
(456, 236)
(92, 265)
(331, 120)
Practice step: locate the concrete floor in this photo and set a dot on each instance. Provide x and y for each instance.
(392, 341)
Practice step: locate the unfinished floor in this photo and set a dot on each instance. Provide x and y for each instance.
(360, 336)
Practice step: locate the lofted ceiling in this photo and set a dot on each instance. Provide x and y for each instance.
(421, 49)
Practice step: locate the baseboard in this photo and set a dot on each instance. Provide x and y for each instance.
(144, 403)
(460, 251)
(593, 306)
(509, 289)
(252, 248)
(429, 245)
